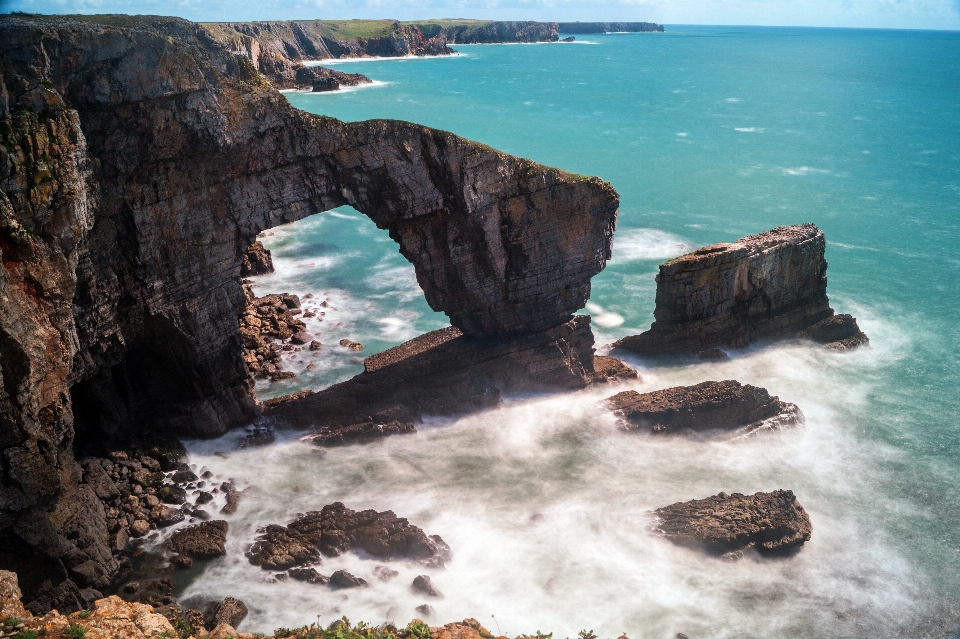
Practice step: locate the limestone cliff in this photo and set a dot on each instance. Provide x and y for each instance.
(139, 160)
(767, 286)
(609, 27)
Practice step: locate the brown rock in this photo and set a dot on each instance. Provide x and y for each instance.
(385, 574)
(343, 579)
(726, 405)
(361, 433)
(773, 523)
(315, 345)
(767, 286)
(838, 332)
(10, 606)
(421, 584)
(231, 612)
(203, 541)
(139, 528)
(256, 261)
(611, 370)
(278, 548)
(223, 631)
(308, 575)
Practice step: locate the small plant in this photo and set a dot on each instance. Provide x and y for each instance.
(586, 634)
(12, 622)
(280, 633)
(418, 630)
(47, 84)
(26, 634)
(540, 635)
(75, 631)
(83, 614)
(183, 628)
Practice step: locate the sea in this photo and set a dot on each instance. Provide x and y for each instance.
(708, 134)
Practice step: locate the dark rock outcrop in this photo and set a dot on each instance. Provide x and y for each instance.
(422, 584)
(256, 261)
(726, 405)
(608, 370)
(140, 160)
(336, 530)
(343, 579)
(609, 27)
(500, 32)
(762, 287)
(773, 523)
(441, 373)
(203, 541)
(837, 332)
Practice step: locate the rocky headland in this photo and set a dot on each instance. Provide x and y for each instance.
(129, 201)
(773, 523)
(762, 287)
(708, 406)
(609, 27)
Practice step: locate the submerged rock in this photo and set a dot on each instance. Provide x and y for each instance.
(343, 579)
(362, 433)
(773, 523)
(277, 548)
(762, 287)
(421, 584)
(309, 575)
(726, 405)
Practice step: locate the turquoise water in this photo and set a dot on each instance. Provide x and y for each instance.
(709, 134)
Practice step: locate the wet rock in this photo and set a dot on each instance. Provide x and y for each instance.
(204, 497)
(99, 480)
(762, 287)
(343, 579)
(233, 502)
(838, 332)
(120, 539)
(351, 345)
(772, 523)
(611, 370)
(361, 433)
(714, 354)
(184, 477)
(172, 495)
(425, 610)
(277, 548)
(202, 541)
(259, 436)
(164, 516)
(256, 261)
(444, 373)
(421, 584)
(385, 574)
(230, 612)
(726, 405)
(301, 337)
(315, 345)
(309, 575)
(139, 528)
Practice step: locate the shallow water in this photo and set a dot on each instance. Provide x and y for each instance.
(708, 134)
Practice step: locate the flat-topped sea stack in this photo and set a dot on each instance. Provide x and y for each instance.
(762, 287)
(773, 523)
(727, 405)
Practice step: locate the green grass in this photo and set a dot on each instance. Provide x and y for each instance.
(26, 634)
(74, 631)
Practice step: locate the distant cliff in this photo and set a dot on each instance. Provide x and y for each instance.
(609, 27)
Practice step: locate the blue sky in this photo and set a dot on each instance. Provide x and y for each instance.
(913, 14)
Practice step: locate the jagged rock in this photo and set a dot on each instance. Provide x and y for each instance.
(361, 433)
(762, 287)
(203, 541)
(140, 527)
(308, 575)
(99, 480)
(611, 370)
(426, 611)
(126, 208)
(256, 261)
(10, 605)
(726, 405)
(172, 495)
(230, 612)
(773, 523)
(233, 502)
(195, 619)
(421, 584)
(385, 574)
(164, 516)
(838, 332)
(259, 436)
(204, 497)
(441, 373)
(343, 579)
(278, 548)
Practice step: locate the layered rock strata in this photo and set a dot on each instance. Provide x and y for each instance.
(256, 261)
(609, 27)
(762, 287)
(441, 373)
(726, 405)
(129, 198)
(773, 523)
(336, 530)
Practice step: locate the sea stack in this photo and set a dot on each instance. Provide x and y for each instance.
(762, 287)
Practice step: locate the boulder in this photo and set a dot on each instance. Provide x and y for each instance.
(422, 585)
(230, 612)
(203, 541)
(256, 261)
(761, 287)
(278, 548)
(838, 332)
(343, 579)
(309, 575)
(385, 574)
(772, 523)
(726, 405)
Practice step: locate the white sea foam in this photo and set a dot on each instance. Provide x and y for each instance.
(405, 58)
(590, 560)
(732, 100)
(804, 170)
(647, 244)
(749, 129)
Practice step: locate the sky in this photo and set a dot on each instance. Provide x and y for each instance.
(891, 14)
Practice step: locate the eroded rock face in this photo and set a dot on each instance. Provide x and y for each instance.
(140, 162)
(440, 373)
(256, 261)
(767, 286)
(773, 523)
(336, 530)
(726, 405)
